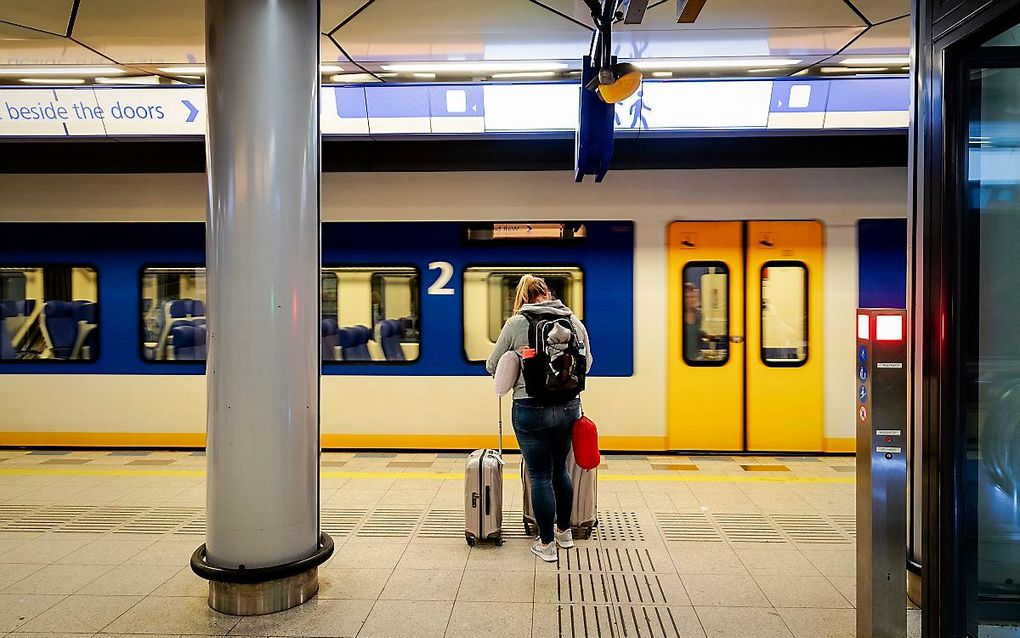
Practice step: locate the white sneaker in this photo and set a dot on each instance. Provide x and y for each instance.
(564, 539)
(545, 552)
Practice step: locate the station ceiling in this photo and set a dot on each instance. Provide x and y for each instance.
(162, 41)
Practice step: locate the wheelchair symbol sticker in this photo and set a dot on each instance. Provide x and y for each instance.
(862, 394)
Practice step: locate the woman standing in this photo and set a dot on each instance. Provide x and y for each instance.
(543, 429)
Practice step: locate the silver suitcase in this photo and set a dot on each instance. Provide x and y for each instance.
(483, 494)
(584, 513)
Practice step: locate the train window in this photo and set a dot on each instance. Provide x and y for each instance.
(784, 314)
(49, 314)
(373, 317)
(706, 326)
(489, 300)
(173, 314)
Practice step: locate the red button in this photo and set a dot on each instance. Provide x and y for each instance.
(888, 439)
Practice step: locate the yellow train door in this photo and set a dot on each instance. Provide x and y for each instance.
(706, 351)
(784, 382)
(745, 367)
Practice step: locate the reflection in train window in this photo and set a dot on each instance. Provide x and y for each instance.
(784, 315)
(489, 300)
(706, 313)
(373, 317)
(173, 314)
(49, 314)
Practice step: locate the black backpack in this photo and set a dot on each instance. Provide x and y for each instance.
(555, 374)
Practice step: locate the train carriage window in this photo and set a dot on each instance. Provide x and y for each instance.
(374, 317)
(784, 314)
(489, 300)
(705, 328)
(49, 314)
(173, 314)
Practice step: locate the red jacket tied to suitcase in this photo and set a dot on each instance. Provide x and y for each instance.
(586, 443)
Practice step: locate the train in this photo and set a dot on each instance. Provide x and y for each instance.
(720, 304)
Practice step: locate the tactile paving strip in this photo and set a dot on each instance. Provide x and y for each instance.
(809, 529)
(619, 526)
(390, 523)
(746, 527)
(687, 527)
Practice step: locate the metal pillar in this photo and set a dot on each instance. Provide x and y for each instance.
(882, 367)
(263, 543)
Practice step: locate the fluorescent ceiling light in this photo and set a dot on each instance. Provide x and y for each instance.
(425, 76)
(479, 66)
(524, 74)
(199, 69)
(49, 81)
(85, 71)
(714, 63)
(763, 70)
(857, 69)
(138, 79)
(662, 74)
(890, 60)
(359, 77)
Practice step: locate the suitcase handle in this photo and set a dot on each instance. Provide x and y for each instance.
(488, 500)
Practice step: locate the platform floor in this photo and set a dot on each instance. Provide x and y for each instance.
(98, 542)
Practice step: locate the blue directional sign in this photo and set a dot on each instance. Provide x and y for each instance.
(862, 354)
(862, 373)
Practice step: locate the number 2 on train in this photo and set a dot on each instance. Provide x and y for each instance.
(439, 286)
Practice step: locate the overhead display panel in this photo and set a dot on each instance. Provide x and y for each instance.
(660, 107)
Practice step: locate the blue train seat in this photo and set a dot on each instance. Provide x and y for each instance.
(175, 311)
(354, 343)
(330, 335)
(390, 333)
(85, 339)
(60, 327)
(182, 343)
(200, 341)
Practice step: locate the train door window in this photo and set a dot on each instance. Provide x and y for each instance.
(489, 300)
(784, 317)
(375, 316)
(173, 314)
(49, 314)
(705, 330)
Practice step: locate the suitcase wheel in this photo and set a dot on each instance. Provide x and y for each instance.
(586, 533)
(499, 541)
(470, 541)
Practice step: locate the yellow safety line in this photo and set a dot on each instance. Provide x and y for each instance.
(654, 478)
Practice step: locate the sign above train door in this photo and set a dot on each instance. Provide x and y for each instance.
(661, 107)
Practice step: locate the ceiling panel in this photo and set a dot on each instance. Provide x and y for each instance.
(882, 10)
(889, 38)
(144, 32)
(732, 14)
(48, 15)
(29, 48)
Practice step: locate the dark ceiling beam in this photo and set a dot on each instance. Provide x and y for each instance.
(348, 19)
(73, 18)
(687, 11)
(25, 26)
(561, 14)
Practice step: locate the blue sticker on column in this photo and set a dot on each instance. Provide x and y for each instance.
(862, 354)
(862, 374)
(862, 394)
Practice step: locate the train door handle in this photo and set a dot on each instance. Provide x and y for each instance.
(737, 339)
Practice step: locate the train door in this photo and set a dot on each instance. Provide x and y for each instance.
(706, 322)
(745, 336)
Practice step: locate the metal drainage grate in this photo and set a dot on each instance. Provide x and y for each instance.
(748, 528)
(687, 527)
(619, 526)
(103, 519)
(340, 522)
(390, 523)
(159, 520)
(847, 523)
(809, 528)
(606, 559)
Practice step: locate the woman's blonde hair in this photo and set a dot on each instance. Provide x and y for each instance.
(529, 289)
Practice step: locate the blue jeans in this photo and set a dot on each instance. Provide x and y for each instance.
(543, 432)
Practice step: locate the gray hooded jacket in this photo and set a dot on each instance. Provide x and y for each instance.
(514, 336)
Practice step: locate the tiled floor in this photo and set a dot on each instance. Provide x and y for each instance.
(687, 546)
